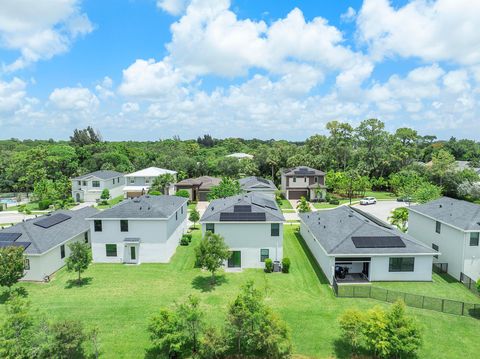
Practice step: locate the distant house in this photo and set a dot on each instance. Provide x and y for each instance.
(252, 226)
(303, 182)
(352, 246)
(199, 187)
(258, 185)
(138, 183)
(45, 240)
(89, 187)
(460, 166)
(241, 155)
(451, 227)
(144, 229)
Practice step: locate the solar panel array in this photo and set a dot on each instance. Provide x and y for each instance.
(14, 244)
(9, 237)
(242, 217)
(263, 180)
(304, 171)
(378, 242)
(50, 221)
(242, 208)
(270, 204)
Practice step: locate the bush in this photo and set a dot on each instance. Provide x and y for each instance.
(188, 236)
(286, 265)
(268, 265)
(182, 193)
(44, 204)
(186, 239)
(334, 201)
(154, 193)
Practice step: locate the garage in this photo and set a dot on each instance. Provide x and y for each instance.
(133, 194)
(203, 195)
(297, 194)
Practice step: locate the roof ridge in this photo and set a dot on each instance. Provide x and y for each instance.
(30, 237)
(347, 236)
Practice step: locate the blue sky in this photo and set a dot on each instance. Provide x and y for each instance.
(146, 69)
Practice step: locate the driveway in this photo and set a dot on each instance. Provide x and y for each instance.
(202, 207)
(382, 209)
(8, 217)
(83, 205)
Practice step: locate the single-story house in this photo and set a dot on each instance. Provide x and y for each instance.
(240, 155)
(452, 227)
(138, 183)
(252, 226)
(89, 187)
(45, 240)
(258, 185)
(303, 181)
(198, 188)
(351, 246)
(145, 229)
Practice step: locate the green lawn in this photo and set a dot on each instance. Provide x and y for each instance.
(32, 206)
(120, 299)
(192, 205)
(380, 195)
(285, 204)
(111, 202)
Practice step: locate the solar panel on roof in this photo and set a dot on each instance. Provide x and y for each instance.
(14, 244)
(259, 179)
(9, 237)
(270, 204)
(50, 221)
(243, 217)
(257, 203)
(242, 208)
(378, 242)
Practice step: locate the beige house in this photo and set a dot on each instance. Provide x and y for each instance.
(303, 182)
(199, 187)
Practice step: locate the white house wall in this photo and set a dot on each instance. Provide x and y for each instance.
(422, 270)
(326, 263)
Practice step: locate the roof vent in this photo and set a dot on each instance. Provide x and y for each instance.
(440, 205)
(324, 226)
(140, 208)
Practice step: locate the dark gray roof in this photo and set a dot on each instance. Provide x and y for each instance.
(43, 239)
(254, 182)
(104, 175)
(144, 207)
(462, 214)
(258, 203)
(302, 171)
(335, 228)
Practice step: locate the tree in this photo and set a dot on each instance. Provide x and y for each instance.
(65, 339)
(162, 182)
(404, 333)
(399, 218)
(86, 136)
(105, 196)
(469, 190)
(194, 217)
(213, 345)
(226, 188)
(427, 192)
(79, 259)
(12, 265)
(351, 323)
(442, 163)
(182, 193)
(212, 252)
(192, 319)
(303, 205)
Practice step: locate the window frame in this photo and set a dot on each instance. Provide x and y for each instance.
(85, 237)
(123, 223)
(436, 248)
(212, 225)
(401, 266)
(26, 263)
(262, 255)
(110, 253)
(438, 227)
(475, 239)
(274, 232)
(62, 251)
(97, 225)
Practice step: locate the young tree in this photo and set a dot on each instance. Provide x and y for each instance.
(79, 259)
(427, 192)
(399, 218)
(194, 217)
(351, 324)
(12, 266)
(182, 193)
(213, 345)
(303, 205)
(404, 333)
(105, 196)
(226, 188)
(162, 182)
(375, 332)
(442, 163)
(86, 136)
(192, 319)
(64, 340)
(212, 252)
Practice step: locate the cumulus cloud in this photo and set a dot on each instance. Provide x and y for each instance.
(40, 30)
(74, 99)
(173, 7)
(12, 94)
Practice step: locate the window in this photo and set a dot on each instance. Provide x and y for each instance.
(86, 237)
(113, 181)
(474, 236)
(316, 179)
(210, 227)
(294, 179)
(132, 180)
(26, 264)
(62, 251)
(147, 180)
(79, 183)
(111, 250)
(438, 226)
(97, 224)
(123, 225)
(263, 255)
(176, 215)
(182, 209)
(275, 229)
(84, 183)
(401, 264)
(305, 179)
(95, 183)
(435, 247)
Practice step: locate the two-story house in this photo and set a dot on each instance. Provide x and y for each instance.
(142, 229)
(452, 227)
(252, 226)
(89, 187)
(303, 182)
(138, 183)
(258, 185)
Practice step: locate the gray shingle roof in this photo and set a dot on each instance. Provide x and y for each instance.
(259, 204)
(302, 171)
(43, 239)
(104, 175)
(254, 182)
(461, 214)
(144, 207)
(335, 228)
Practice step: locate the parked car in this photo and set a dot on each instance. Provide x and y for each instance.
(404, 199)
(368, 200)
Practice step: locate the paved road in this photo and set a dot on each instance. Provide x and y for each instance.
(7, 217)
(382, 209)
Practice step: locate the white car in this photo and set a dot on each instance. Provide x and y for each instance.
(368, 200)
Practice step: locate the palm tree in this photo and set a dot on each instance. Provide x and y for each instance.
(399, 218)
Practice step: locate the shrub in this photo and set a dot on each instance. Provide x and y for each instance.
(334, 201)
(154, 193)
(182, 193)
(188, 236)
(286, 265)
(268, 265)
(184, 241)
(44, 204)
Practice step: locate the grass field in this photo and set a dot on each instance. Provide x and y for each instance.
(119, 299)
(192, 205)
(285, 204)
(111, 202)
(379, 195)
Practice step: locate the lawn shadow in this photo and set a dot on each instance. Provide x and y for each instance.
(6, 294)
(205, 284)
(448, 278)
(342, 349)
(75, 283)
(318, 271)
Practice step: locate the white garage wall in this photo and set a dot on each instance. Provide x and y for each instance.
(326, 263)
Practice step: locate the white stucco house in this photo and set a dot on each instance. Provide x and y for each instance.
(138, 183)
(89, 187)
(452, 227)
(145, 229)
(252, 226)
(351, 246)
(45, 240)
(258, 185)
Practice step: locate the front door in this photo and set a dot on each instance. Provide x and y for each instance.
(132, 254)
(78, 197)
(235, 260)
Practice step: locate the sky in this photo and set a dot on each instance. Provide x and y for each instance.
(154, 69)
